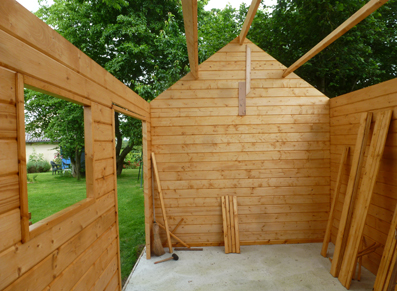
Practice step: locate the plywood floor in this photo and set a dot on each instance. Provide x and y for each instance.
(267, 267)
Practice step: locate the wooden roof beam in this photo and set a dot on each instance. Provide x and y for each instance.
(248, 20)
(356, 18)
(189, 8)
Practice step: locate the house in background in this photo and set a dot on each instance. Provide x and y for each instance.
(41, 145)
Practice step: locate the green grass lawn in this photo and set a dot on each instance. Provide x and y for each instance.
(52, 193)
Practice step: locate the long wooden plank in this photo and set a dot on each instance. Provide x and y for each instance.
(22, 172)
(335, 199)
(253, 111)
(118, 264)
(190, 19)
(232, 226)
(344, 224)
(225, 228)
(63, 267)
(392, 275)
(356, 18)
(248, 70)
(22, 24)
(389, 249)
(228, 224)
(14, 264)
(130, 113)
(159, 189)
(248, 20)
(18, 56)
(236, 224)
(147, 186)
(241, 99)
(364, 196)
(256, 99)
(174, 236)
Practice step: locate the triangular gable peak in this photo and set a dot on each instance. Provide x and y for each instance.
(227, 67)
(275, 158)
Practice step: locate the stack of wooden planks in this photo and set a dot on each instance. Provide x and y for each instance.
(230, 224)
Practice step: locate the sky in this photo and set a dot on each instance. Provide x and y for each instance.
(32, 5)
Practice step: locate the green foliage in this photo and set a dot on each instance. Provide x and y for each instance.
(59, 120)
(32, 178)
(37, 164)
(364, 56)
(54, 193)
(38, 167)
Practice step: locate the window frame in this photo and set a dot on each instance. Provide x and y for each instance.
(31, 231)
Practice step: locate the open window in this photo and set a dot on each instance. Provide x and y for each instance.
(55, 148)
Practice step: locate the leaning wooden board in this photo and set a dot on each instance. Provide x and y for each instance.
(345, 220)
(364, 196)
(327, 236)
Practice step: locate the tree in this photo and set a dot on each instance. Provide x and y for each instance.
(60, 121)
(364, 56)
(140, 42)
(121, 36)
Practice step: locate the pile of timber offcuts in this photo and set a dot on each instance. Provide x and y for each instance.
(230, 224)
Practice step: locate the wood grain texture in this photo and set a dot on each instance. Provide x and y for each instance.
(364, 197)
(189, 8)
(352, 186)
(380, 212)
(327, 236)
(62, 250)
(275, 158)
(248, 20)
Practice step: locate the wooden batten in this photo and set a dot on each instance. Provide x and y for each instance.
(248, 20)
(248, 70)
(190, 19)
(335, 199)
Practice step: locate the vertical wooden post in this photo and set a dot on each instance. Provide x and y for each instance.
(147, 185)
(115, 193)
(247, 70)
(167, 230)
(365, 195)
(345, 220)
(23, 178)
(232, 229)
(236, 228)
(89, 152)
(334, 201)
(241, 98)
(225, 228)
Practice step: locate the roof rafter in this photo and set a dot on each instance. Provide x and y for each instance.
(189, 8)
(248, 20)
(356, 18)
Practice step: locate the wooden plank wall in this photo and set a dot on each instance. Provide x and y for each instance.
(345, 113)
(275, 159)
(77, 248)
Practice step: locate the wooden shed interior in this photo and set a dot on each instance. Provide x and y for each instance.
(304, 168)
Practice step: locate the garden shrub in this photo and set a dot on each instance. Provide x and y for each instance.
(37, 164)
